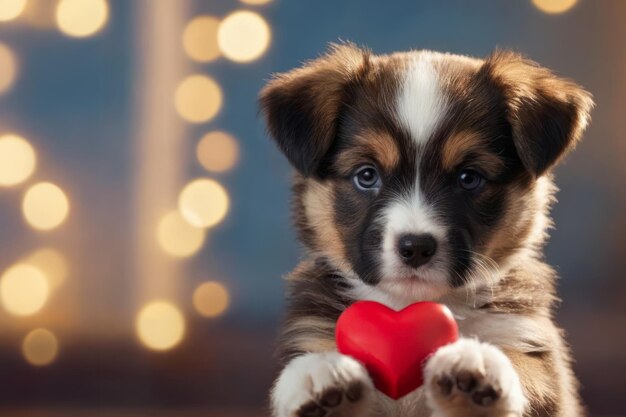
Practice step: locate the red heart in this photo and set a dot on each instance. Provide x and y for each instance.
(394, 345)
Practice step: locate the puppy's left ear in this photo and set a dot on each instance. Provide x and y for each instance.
(302, 106)
(547, 114)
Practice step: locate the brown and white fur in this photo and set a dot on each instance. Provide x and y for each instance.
(425, 148)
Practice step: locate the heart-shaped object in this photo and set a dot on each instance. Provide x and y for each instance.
(394, 345)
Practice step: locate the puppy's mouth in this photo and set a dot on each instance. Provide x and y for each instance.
(414, 287)
(415, 278)
(411, 278)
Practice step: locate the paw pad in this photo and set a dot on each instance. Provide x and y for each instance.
(482, 394)
(331, 399)
(311, 410)
(355, 391)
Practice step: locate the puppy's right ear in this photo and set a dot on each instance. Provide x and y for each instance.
(302, 106)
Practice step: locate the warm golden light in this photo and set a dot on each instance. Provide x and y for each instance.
(198, 98)
(23, 289)
(52, 263)
(554, 6)
(10, 9)
(177, 237)
(203, 202)
(45, 206)
(17, 160)
(80, 18)
(8, 68)
(243, 36)
(217, 151)
(200, 39)
(40, 347)
(256, 2)
(160, 325)
(211, 299)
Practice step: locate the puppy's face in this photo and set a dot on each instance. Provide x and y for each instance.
(422, 172)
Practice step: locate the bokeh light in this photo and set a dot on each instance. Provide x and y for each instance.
(23, 289)
(200, 39)
(203, 202)
(10, 9)
(160, 325)
(80, 18)
(211, 299)
(8, 68)
(217, 151)
(177, 237)
(554, 6)
(52, 263)
(45, 206)
(198, 98)
(17, 160)
(40, 347)
(256, 2)
(243, 36)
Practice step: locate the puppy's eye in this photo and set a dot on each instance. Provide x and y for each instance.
(471, 180)
(367, 178)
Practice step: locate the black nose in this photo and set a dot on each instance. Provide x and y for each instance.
(416, 250)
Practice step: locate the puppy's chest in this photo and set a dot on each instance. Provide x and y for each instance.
(412, 405)
(516, 331)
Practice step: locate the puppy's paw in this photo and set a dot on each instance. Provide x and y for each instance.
(473, 379)
(322, 385)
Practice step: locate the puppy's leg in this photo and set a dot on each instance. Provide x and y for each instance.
(473, 379)
(322, 384)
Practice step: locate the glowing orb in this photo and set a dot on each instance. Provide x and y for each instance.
(45, 206)
(8, 68)
(160, 325)
(81, 18)
(24, 290)
(200, 39)
(10, 9)
(17, 160)
(198, 98)
(203, 202)
(40, 347)
(243, 36)
(217, 151)
(211, 299)
(554, 6)
(177, 237)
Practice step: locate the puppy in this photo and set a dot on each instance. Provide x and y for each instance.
(426, 176)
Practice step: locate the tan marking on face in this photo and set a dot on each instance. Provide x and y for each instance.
(460, 145)
(373, 146)
(318, 202)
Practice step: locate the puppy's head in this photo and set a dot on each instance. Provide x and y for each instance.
(420, 172)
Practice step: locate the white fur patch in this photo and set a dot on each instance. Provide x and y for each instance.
(487, 363)
(421, 104)
(544, 196)
(530, 333)
(412, 216)
(306, 377)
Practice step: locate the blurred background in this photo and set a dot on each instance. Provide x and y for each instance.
(144, 222)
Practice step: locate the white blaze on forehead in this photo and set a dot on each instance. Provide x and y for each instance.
(412, 216)
(421, 103)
